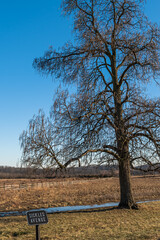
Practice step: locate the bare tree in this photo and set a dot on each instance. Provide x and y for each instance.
(40, 148)
(109, 118)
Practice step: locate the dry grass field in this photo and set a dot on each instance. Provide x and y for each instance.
(65, 192)
(104, 224)
(97, 224)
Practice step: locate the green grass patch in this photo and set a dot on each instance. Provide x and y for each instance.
(98, 224)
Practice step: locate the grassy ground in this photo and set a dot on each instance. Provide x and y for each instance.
(101, 224)
(79, 192)
(88, 225)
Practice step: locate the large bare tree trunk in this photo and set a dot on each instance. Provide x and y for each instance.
(126, 197)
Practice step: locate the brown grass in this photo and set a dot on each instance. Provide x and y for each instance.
(111, 224)
(75, 192)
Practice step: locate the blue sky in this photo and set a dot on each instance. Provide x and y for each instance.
(27, 29)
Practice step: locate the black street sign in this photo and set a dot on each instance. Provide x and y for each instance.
(37, 217)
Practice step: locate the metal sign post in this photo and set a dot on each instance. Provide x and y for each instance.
(37, 233)
(37, 218)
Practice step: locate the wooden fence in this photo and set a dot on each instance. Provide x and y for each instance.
(6, 186)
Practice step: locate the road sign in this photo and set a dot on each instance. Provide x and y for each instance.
(37, 217)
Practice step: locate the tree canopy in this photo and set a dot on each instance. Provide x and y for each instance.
(108, 118)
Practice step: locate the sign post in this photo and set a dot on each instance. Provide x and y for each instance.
(37, 218)
(37, 233)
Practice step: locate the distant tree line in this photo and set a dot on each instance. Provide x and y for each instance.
(7, 172)
(18, 172)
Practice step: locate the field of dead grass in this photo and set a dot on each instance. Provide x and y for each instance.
(71, 192)
(111, 224)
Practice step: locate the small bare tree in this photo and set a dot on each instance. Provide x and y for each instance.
(109, 118)
(42, 145)
(38, 143)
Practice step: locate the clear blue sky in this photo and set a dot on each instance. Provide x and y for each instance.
(27, 29)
